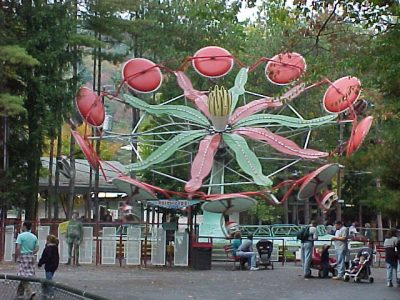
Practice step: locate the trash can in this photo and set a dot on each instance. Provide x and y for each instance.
(201, 256)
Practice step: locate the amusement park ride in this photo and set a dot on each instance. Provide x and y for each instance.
(227, 138)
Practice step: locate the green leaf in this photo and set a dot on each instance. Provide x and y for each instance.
(180, 111)
(246, 158)
(238, 88)
(292, 122)
(167, 149)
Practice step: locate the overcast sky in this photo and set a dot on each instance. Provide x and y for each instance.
(251, 12)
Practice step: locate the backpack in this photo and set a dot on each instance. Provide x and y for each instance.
(304, 233)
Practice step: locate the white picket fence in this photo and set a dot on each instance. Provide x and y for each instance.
(109, 244)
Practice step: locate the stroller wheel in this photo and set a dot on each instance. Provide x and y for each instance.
(371, 280)
(356, 279)
(346, 278)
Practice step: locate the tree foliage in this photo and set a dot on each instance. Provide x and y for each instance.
(37, 60)
(41, 42)
(362, 38)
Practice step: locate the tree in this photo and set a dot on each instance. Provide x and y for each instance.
(43, 30)
(364, 30)
(14, 60)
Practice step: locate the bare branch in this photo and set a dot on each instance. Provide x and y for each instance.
(325, 23)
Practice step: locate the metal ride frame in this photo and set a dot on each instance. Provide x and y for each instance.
(221, 129)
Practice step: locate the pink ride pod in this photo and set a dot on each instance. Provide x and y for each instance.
(212, 61)
(284, 68)
(341, 94)
(142, 75)
(358, 136)
(90, 107)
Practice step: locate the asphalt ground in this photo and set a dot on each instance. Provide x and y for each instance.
(219, 283)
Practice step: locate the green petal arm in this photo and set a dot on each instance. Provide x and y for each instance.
(246, 158)
(180, 111)
(167, 149)
(238, 88)
(264, 119)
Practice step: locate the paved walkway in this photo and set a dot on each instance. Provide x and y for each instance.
(220, 283)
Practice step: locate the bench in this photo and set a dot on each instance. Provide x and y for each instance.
(234, 259)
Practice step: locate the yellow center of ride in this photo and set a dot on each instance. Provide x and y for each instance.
(219, 101)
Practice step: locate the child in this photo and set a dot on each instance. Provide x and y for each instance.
(390, 244)
(357, 263)
(325, 264)
(50, 257)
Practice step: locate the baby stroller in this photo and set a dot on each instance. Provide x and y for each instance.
(264, 248)
(360, 267)
(316, 264)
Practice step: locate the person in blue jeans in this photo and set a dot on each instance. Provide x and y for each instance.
(246, 250)
(50, 259)
(307, 247)
(391, 257)
(236, 242)
(340, 242)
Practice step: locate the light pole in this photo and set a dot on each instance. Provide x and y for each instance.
(339, 173)
(379, 215)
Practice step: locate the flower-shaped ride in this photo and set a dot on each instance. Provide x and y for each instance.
(220, 129)
(219, 123)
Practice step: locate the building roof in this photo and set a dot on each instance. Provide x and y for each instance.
(82, 176)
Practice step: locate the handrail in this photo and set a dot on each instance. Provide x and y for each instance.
(276, 230)
(57, 285)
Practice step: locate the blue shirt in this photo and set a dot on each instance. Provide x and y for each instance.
(235, 245)
(27, 242)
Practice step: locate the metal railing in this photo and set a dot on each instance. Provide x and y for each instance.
(17, 287)
(284, 231)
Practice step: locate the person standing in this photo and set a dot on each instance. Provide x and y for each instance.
(50, 259)
(246, 250)
(353, 230)
(107, 217)
(74, 238)
(391, 258)
(26, 248)
(307, 246)
(398, 258)
(340, 242)
(367, 231)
